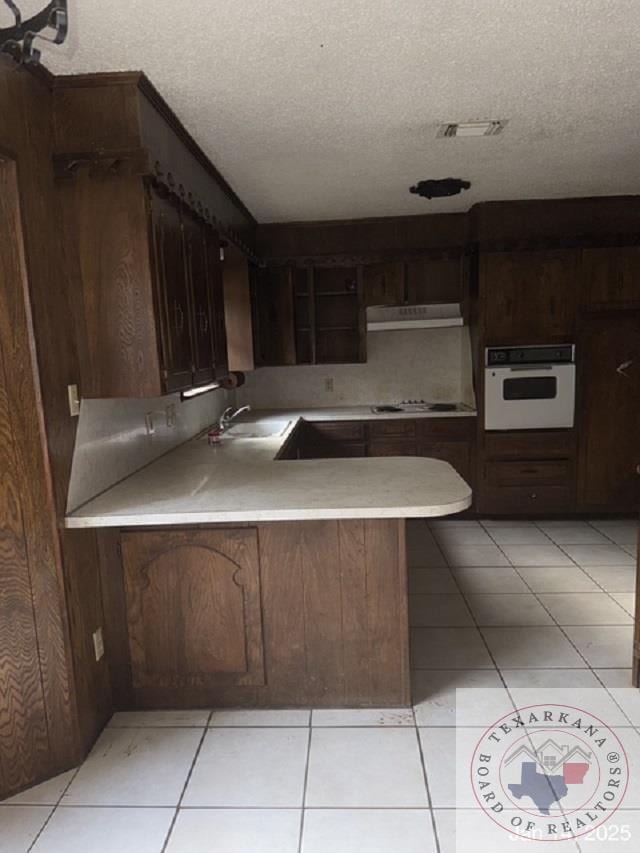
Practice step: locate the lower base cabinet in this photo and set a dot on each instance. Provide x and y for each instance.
(193, 608)
(527, 472)
(308, 613)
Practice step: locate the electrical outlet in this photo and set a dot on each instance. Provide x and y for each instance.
(98, 644)
(170, 413)
(328, 383)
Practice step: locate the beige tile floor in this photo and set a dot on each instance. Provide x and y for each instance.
(503, 614)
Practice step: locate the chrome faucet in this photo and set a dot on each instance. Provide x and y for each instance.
(228, 416)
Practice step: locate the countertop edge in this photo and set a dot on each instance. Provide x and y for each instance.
(320, 514)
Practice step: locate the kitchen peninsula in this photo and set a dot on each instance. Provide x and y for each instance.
(242, 574)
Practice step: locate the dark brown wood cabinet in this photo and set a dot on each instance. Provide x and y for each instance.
(529, 297)
(449, 439)
(172, 291)
(611, 277)
(527, 472)
(313, 315)
(384, 283)
(284, 614)
(434, 279)
(139, 202)
(609, 421)
(193, 608)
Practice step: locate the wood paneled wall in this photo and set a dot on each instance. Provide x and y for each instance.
(76, 687)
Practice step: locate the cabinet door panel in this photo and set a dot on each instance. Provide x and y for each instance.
(216, 285)
(456, 453)
(193, 607)
(172, 289)
(384, 283)
(434, 280)
(196, 251)
(608, 413)
(276, 321)
(529, 297)
(611, 276)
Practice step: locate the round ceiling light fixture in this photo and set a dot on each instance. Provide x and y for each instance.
(440, 188)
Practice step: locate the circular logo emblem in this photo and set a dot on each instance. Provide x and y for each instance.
(549, 772)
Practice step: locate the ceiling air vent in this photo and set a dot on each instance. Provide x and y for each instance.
(471, 128)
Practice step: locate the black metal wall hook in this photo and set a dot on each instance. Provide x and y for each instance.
(50, 24)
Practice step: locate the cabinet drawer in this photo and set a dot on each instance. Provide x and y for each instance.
(527, 444)
(526, 500)
(446, 429)
(392, 429)
(536, 472)
(339, 430)
(393, 448)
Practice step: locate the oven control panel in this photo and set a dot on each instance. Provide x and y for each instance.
(505, 356)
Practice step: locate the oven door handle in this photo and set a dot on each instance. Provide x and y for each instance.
(531, 368)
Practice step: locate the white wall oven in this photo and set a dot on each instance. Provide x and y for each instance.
(530, 387)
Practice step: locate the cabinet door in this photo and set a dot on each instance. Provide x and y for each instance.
(611, 276)
(172, 291)
(193, 607)
(196, 251)
(384, 283)
(275, 316)
(216, 299)
(435, 280)
(608, 415)
(529, 297)
(456, 453)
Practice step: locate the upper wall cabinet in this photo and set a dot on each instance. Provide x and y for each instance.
(384, 284)
(144, 212)
(433, 279)
(611, 277)
(529, 297)
(312, 315)
(419, 280)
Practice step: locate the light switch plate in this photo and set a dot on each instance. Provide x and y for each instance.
(98, 644)
(74, 400)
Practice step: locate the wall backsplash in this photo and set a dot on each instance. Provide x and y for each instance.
(430, 364)
(112, 440)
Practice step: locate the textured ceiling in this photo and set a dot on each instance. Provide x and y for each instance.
(319, 110)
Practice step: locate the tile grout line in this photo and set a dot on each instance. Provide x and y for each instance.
(590, 668)
(54, 809)
(304, 784)
(423, 764)
(186, 783)
(478, 629)
(583, 568)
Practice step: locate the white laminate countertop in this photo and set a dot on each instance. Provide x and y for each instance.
(240, 479)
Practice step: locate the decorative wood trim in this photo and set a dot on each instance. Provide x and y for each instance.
(139, 79)
(102, 163)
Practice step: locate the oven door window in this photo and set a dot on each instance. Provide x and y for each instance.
(530, 388)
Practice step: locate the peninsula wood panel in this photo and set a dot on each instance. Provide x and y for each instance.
(193, 607)
(335, 611)
(330, 627)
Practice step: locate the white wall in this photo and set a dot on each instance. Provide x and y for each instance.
(430, 364)
(112, 440)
